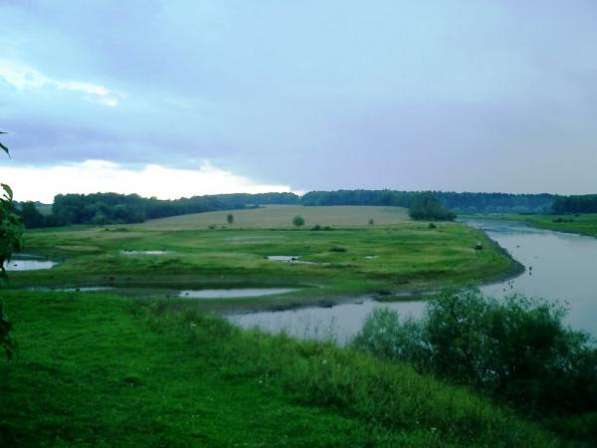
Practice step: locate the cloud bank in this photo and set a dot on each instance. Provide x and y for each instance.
(92, 176)
(441, 94)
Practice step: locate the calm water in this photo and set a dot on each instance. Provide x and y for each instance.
(232, 293)
(559, 267)
(28, 264)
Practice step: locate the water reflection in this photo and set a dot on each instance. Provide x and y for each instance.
(339, 323)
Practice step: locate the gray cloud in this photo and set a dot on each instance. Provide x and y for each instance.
(447, 94)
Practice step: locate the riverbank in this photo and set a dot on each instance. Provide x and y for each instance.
(582, 224)
(104, 370)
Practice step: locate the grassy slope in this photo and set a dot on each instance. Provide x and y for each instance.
(409, 257)
(280, 216)
(105, 371)
(585, 224)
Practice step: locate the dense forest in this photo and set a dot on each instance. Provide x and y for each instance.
(576, 204)
(113, 208)
(425, 206)
(458, 202)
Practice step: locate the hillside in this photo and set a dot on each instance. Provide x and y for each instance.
(106, 371)
(280, 216)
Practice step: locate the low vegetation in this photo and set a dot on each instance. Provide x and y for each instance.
(344, 261)
(517, 350)
(582, 224)
(106, 371)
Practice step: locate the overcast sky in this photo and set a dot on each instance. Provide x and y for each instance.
(180, 97)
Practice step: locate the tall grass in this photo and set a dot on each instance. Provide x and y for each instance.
(417, 409)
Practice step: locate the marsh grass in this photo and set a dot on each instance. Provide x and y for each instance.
(349, 261)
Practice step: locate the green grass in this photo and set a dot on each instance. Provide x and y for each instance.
(280, 216)
(106, 371)
(583, 224)
(408, 256)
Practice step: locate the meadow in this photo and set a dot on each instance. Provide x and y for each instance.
(102, 370)
(396, 257)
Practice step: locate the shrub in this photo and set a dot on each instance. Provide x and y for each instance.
(298, 221)
(517, 349)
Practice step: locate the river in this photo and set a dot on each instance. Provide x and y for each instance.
(560, 267)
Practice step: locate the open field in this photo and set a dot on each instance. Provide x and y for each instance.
(107, 371)
(339, 263)
(280, 216)
(583, 224)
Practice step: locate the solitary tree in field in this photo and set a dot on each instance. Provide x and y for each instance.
(11, 231)
(230, 218)
(371, 221)
(298, 221)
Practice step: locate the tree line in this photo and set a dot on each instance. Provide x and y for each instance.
(113, 208)
(576, 204)
(458, 202)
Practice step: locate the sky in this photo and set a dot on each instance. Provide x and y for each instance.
(174, 98)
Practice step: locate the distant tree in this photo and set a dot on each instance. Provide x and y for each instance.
(32, 218)
(230, 218)
(426, 207)
(11, 231)
(371, 221)
(298, 221)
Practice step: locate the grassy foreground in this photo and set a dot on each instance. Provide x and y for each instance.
(106, 371)
(343, 262)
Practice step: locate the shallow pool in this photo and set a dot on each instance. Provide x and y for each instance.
(232, 293)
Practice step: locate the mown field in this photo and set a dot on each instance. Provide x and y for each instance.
(347, 260)
(280, 216)
(105, 371)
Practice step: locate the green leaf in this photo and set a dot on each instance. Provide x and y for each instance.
(8, 191)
